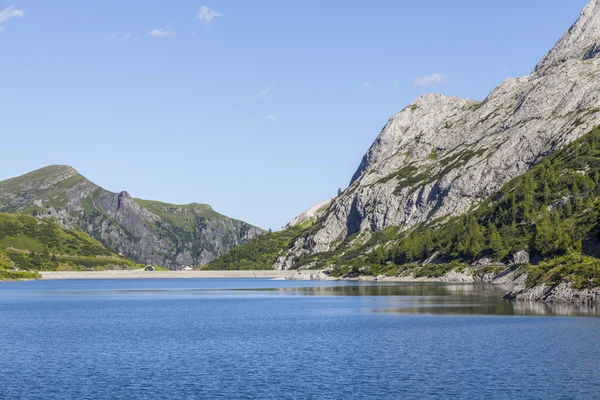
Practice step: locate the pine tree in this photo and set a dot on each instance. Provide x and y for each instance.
(476, 237)
(496, 243)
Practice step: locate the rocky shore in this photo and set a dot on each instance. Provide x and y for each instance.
(561, 293)
(512, 276)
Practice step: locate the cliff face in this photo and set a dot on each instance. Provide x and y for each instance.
(145, 231)
(441, 155)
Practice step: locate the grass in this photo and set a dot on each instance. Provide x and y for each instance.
(22, 242)
(403, 173)
(477, 106)
(582, 271)
(31, 244)
(18, 275)
(34, 178)
(260, 252)
(179, 214)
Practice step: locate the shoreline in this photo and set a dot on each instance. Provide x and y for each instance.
(563, 293)
(141, 274)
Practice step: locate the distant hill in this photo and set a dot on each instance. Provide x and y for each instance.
(30, 245)
(143, 230)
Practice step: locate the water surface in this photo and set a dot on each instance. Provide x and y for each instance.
(255, 338)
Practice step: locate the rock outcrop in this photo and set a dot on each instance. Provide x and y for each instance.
(564, 292)
(148, 232)
(310, 215)
(441, 155)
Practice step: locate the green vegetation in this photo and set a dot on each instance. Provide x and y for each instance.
(583, 271)
(180, 215)
(258, 253)
(30, 245)
(34, 178)
(33, 184)
(7, 272)
(402, 174)
(24, 232)
(477, 106)
(18, 275)
(548, 211)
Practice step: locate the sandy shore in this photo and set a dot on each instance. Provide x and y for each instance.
(139, 274)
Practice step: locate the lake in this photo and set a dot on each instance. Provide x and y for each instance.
(274, 339)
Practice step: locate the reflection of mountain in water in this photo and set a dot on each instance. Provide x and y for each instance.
(446, 299)
(397, 289)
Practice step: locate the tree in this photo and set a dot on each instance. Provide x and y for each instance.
(379, 256)
(496, 243)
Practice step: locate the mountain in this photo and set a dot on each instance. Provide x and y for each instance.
(539, 232)
(442, 156)
(145, 231)
(262, 251)
(550, 211)
(30, 244)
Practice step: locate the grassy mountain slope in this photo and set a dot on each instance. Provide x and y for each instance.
(146, 231)
(259, 253)
(33, 245)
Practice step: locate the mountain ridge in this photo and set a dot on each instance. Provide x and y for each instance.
(146, 231)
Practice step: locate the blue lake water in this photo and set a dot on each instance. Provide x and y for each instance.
(270, 339)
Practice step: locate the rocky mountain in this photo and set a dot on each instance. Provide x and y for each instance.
(145, 231)
(441, 156)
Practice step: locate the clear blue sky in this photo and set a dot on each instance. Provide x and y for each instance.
(258, 108)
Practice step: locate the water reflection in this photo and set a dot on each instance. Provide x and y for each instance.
(400, 289)
(446, 299)
(500, 308)
(377, 297)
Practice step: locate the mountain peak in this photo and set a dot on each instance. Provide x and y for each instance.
(581, 41)
(42, 178)
(57, 169)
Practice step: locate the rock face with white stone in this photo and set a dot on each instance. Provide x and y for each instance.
(580, 42)
(311, 214)
(441, 155)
